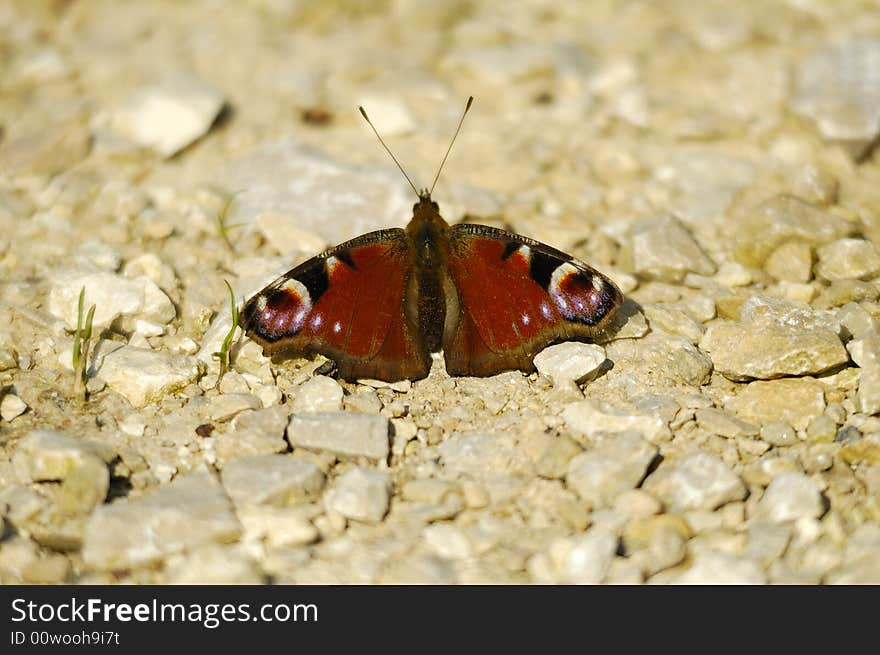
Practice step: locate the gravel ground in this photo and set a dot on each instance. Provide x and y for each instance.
(715, 159)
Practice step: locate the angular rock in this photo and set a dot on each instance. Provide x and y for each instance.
(673, 320)
(191, 511)
(448, 541)
(277, 480)
(49, 152)
(660, 360)
(214, 564)
(589, 417)
(784, 218)
(848, 259)
(779, 434)
(861, 564)
(80, 466)
(699, 481)
(315, 192)
(723, 424)
(478, 456)
(791, 262)
(168, 116)
(343, 433)
(570, 361)
(144, 376)
(254, 433)
(839, 88)
(765, 350)
(590, 557)
(657, 542)
(791, 496)
(284, 235)
(663, 248)
(280, 527)
(113, 296)
(318, 394)
(616, 465)
(864, 451)
(722, 568)
(794, 401)
(11, 406)
(866, 353)
(390, 116)
(360, 494)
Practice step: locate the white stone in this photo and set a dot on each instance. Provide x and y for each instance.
(589, 417)
(389, 115)
(848, 259)
(113, 296)
(148, 329)
(80, 465)
(11, 407)
(570, 361)
(447, 540)
(328, 199)
(360, 494)
(318, 394)
(343, 433)
(791, 496)
(699, 481)
(271, 480)
(279, 527)
(839, 88)
(169, 116)
(663, 248)
(590, 557)
(145, 376)
(254, 433)
(189, 512)
(229, 405)
(284, 235)
(213, 564)
(721, 568)
(616, 465)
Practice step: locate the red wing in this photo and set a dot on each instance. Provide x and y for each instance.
(346, 304)
(515, 297)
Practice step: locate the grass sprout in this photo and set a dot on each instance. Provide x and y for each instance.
(81, 339)
(223, 228)
(225, 355)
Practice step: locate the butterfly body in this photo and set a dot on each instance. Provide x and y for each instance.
(380, 304)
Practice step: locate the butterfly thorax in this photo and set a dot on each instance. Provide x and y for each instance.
(427, 236)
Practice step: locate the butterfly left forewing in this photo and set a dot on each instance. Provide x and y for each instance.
(515, 296)
(346, 304)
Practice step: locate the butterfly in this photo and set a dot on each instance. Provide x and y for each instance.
(380, 304)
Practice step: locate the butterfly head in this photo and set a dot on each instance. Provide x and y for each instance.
(425, 203)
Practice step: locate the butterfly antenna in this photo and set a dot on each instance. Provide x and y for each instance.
(387, 149)
(457, 130)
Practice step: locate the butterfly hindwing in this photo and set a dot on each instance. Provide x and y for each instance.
(346, 304)
(515, 297)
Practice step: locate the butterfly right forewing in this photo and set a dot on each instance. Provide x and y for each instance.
(346, 304)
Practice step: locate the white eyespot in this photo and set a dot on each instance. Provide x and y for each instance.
(562, 271)
(337, 327)
(317, 321)
(526, 319)
(298, 289)
(262, 301)
(526, 252)
(331, 263)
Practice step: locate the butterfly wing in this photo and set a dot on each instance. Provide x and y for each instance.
(515, 297)
(347, 304)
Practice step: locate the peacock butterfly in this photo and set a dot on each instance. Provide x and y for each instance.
(380, 304)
